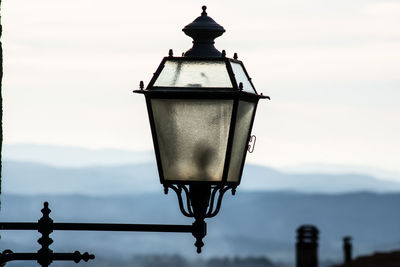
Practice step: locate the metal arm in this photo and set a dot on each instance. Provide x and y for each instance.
(45, 256)
(115, 227)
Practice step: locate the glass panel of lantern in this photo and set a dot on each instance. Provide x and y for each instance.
(192, 137)
(196, 73)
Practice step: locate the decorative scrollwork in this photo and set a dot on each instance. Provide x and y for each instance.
(214, 203)
(221, 191)
(178, 190)
(4, 254)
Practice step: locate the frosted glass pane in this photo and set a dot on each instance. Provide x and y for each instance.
(240, 142)
(192, 137)
(194, 74)
(241, 77)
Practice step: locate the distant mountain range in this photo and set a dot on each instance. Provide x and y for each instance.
(69, 156)
(35, 178)
(249, 224)
(122, 171)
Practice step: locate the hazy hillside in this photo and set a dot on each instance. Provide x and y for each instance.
(263, 178)
(69, 156)
(33, 178)
(250, 223)
(162, 260)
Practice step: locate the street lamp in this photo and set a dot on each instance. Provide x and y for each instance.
(201, 108)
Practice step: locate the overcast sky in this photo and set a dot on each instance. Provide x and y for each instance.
(332, 69)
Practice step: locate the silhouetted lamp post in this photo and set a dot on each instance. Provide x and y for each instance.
(201, 108)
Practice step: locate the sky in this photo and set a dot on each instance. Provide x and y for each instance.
(331, 68)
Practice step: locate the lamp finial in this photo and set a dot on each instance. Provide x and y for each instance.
(204, 13)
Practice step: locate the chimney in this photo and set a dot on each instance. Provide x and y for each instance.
(307, 246)
(347, 249)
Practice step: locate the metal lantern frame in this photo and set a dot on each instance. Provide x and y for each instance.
(234, 93)
(202, 191)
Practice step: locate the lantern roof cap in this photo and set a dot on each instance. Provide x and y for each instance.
(203, 30)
